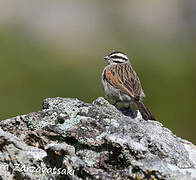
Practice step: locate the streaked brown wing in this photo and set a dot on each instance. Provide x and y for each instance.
(125, 78)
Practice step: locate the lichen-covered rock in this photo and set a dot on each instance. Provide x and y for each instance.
(70, 139)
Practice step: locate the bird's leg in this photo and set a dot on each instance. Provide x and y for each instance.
(133, 113)
(128, 111)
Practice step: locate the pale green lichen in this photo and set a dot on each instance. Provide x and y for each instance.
(84, 109)
(47, 120)
(70, 107)
(69, 123)
(31, 122)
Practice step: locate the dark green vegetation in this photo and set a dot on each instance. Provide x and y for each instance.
(31, 71)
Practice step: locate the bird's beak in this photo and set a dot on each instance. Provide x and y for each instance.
(106, 57)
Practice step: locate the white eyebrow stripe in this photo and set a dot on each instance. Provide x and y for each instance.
(120, 55)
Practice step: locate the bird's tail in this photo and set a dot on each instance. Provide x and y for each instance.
(145, 112)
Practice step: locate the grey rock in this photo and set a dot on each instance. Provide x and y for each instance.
(70, 139)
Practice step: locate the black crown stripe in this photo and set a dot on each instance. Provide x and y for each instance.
(115, 52)
(119, 57)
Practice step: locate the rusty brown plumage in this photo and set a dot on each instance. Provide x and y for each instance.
(125, 78)
(122, 76)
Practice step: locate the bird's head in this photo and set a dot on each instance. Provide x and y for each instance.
(116, 57)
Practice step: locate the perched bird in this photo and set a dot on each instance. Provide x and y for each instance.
(121, 83)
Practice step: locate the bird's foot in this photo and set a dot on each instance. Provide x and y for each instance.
(127, 111)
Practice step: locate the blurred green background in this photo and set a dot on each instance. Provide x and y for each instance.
(56, 48)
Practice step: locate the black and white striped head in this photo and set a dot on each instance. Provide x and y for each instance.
(117, 57)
